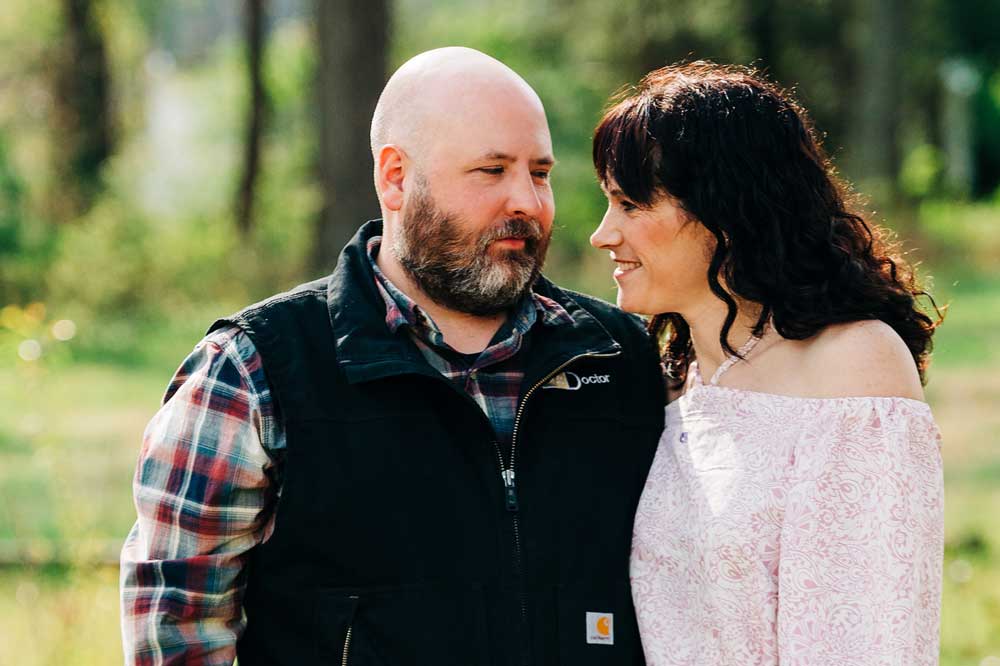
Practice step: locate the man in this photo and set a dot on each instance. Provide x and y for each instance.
(431, 456)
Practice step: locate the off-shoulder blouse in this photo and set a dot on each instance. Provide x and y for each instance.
(800, 531)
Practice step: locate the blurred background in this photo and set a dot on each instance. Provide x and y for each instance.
(163, 163)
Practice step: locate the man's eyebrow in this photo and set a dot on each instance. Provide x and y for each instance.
(547, 160)
(496, 155)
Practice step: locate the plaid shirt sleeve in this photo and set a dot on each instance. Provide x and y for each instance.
(205, 488)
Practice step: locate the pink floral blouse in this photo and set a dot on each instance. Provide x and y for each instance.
(799, 531)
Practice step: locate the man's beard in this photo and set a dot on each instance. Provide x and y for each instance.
(457, 269)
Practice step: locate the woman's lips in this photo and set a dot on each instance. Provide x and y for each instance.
(624, 268)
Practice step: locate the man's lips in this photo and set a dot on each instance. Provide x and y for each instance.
(510, 243)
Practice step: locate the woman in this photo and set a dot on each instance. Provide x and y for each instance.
(793, 513)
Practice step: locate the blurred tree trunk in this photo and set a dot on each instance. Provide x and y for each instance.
(875, 145)
(353, 57)
(83, 126)
(960, 82)
(844, 71)
(257, 116)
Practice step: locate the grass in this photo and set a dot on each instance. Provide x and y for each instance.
(72, 437)
(965, 401)
(69, 437)
(70, 432)
(65, 616)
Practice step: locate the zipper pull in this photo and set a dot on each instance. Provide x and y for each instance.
(510, 490)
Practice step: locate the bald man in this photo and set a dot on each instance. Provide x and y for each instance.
(432, 455)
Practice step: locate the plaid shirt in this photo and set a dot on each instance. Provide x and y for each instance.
(210, 472)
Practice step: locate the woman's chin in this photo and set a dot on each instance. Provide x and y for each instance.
(629, 304)
(640, 306)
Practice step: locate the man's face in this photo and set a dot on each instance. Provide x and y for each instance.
(477, 219)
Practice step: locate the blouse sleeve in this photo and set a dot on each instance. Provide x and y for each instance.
(859, 580)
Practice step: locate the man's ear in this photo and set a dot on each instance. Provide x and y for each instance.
(390, 170)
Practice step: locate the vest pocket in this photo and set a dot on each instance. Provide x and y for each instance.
(411, 625)
(597, 626)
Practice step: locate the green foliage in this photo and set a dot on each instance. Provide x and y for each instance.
(288, 72)
(159, 247)
(986, 105)
(103, 262)
(969, 333)
(22, 249)
(11, 200)
(963, 237)
(26, 235)
(921, 171)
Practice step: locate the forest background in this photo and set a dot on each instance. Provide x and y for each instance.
(162, 163)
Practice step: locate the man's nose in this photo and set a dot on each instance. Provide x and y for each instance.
(525, 199)
(606, 234)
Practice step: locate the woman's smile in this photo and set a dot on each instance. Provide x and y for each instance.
(624, 267)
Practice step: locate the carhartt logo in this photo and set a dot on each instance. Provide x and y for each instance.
(570, 381)
(600, 628)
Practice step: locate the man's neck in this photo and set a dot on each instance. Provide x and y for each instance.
(463, 332)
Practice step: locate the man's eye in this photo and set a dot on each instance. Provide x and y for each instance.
(493, 170)
(628, 206)
(542, 175)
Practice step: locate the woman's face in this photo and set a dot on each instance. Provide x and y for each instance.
(661, 254)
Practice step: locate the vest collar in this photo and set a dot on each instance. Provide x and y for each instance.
(367, 350)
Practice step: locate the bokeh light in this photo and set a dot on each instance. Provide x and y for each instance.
(10, 317)
(64, 330)
(29, 350)
(960, 571)
(35, 312)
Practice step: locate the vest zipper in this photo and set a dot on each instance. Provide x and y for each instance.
(350, 630)
(507, 475)
(347, 647)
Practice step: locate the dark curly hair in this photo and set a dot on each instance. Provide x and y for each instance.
(742, 158)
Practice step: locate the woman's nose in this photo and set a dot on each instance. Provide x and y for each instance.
(606, 235)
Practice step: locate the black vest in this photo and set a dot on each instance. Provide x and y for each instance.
(397, 540)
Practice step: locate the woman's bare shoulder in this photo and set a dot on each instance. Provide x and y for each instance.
(861, 358)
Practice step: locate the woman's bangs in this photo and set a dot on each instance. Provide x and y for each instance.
(624, 150)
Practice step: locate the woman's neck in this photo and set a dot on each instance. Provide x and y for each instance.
(706, 323)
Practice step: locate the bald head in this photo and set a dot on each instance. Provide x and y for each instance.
(438, 90)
